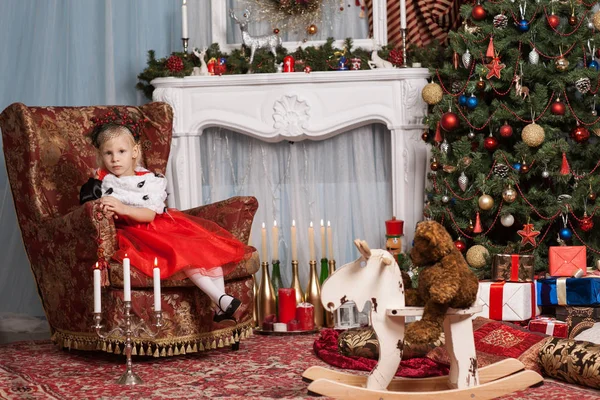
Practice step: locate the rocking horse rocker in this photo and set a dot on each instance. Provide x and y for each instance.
(381, 283)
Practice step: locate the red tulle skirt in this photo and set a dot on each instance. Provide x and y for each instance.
(180, 241)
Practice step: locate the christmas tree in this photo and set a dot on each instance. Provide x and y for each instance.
(513, 126)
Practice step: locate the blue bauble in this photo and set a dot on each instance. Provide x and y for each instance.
(517, 166)
(594, 64)
(565, 234)
(472, 102)
(462, 100)
(453, 201)
(523, 25)
(429, 196)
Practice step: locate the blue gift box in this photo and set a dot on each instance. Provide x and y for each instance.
(579, 291)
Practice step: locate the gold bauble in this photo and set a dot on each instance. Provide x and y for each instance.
(509, 194)
(533, 135)
(597, 131)
(596, 20)
(312, 29)
(432, 93)
(486, 202)
(477, 256)
(561, 64)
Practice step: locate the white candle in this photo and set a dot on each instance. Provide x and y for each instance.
(329, 241)
(323, 248)
(97, 290)
(263, 237)
(184, 21)
(294, 243)
(275, 240)
(126, 279)
(156, 276)
(402, 14)
(311, 241)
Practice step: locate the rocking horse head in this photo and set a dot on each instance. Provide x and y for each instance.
(375, 277)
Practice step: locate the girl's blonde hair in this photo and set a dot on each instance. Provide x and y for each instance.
(110, 131)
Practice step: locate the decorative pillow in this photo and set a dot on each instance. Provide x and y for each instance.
(590, 335)
(571, 360)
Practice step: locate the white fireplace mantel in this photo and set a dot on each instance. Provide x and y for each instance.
(299, 106)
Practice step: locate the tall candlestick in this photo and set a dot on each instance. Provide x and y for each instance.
(323, 248)
(97, 290)
(126, 279)
(402, 14)
(294, 243)
(156, 276)
(329, 241)
(275, 240)
(311, 241)
(263, 237)
(184, 20)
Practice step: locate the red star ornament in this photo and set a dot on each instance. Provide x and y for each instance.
(495, 67)
(528, 234)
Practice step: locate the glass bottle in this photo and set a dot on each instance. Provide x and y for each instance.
(266, 295)
(324, 271)
(276, 282)
(296, 283)
(313, 294)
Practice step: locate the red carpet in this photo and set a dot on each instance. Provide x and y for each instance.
(265, 367)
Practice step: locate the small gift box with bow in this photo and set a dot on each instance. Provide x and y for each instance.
(512, 268)
(567, 261)
(549, 326)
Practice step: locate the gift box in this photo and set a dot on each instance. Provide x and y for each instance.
(568, 291)
(578, 319)
(549, 326)
(567, 260)
(512, 268)
(507, 301)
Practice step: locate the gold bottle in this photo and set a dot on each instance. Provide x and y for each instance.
(296, 283)
(313, 294)
(266, 295)
(329, 315)
(255, 294)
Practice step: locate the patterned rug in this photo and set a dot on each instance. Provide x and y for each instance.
(266, 367)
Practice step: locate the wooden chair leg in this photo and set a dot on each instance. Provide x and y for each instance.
(390, 335)
(463, 359)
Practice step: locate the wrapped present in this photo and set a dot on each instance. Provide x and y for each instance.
(568, 291)
(549, 326)
(507, 301)
(567, 261)
(578, 319)
(512, 268)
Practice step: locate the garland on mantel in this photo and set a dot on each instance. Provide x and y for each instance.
(319, 58)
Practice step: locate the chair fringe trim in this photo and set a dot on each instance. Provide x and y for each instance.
(158, 348)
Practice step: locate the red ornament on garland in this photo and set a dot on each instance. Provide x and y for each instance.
(478, 13)
(580, 134)
(460, 245)
(395, 57)
(564, 168)
(449, 121)
(506, 130)
(586, 224)
(490, 143)
(553, 21)
(477, 228)
(175, 64)
(558, 107)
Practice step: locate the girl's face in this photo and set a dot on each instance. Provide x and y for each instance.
(119, 155)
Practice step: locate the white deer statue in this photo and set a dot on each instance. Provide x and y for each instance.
(378, 62)
(202, 70)
(256, 42)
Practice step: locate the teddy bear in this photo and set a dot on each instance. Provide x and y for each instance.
(445, 281)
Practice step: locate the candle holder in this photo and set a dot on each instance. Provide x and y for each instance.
(404, 55)
(129, 377)
(185, 45)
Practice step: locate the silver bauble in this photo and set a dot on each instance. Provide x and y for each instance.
(445, 199)
(471, 135)
(466, 59)
(445, 146)
(594, 113)
(463, 181)
(509, 194)
(507, 220)
(545, 174)
(534, 57)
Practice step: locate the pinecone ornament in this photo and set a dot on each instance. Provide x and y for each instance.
(395, 57)
(501, 170)
(456, 86)
(583, 85)
(466, 59)
(534, 57)
(500, 21)
(463, 181)
(175, 64)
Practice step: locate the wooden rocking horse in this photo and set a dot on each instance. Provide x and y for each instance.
(376, 277)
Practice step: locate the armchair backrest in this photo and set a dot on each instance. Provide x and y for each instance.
(49, 154)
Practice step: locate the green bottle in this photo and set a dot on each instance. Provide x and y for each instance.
(276, 280)
(324, 271)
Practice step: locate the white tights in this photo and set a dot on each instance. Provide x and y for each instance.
(214, 287)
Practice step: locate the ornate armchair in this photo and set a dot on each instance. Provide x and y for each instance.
(48, 158)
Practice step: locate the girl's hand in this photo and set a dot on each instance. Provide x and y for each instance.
(112, 207)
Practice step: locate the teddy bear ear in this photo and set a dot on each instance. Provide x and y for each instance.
(427, 231)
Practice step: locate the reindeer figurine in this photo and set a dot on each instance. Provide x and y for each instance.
(521, 90)
(203, 69)
(256, 42)
(378, 62)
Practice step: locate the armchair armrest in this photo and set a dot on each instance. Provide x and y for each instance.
(234, 214)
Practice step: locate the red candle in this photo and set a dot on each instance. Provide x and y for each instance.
(288, 64)
(287, 304)
(293, 325)
(305, 315)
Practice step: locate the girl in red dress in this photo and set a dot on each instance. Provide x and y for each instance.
(186, 246)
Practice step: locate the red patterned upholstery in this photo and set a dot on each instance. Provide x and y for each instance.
(48, 158)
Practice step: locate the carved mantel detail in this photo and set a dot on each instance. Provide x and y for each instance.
(290, 115)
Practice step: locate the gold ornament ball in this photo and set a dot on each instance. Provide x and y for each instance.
(509, 194)
(432, 93)
(312, 29)
(477, 256)
(561, 64)
(486, 202)
(596, 20)
(597, 131)
(533, 135)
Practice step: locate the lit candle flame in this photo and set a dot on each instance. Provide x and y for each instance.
(311, 225)
(274, 223)
(155, 262)
(96, 264)
(322, 223)
(263, 225)
(293, 222)
(328, 223)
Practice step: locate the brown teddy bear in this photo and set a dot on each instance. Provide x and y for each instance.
(445, 281)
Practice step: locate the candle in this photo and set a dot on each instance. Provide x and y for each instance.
(311, 241)
(263, 234)
(402, 14)
(97, 290)
(329, 241)
(286, 304)
(156, 276)
(305, 316)
(126, 280)
(184, 21)
(323, 248)
(275, 240)
(294, 243)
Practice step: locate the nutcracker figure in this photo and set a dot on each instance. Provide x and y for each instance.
(394, 230)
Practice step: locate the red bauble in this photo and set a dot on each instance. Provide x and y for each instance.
(460, 245)
(553, 21)
(449, 121)
(175, 64)
(506, 130)
(425, 136)
(572, 20)
(524, 168)
(490, 143)
(396, 57)
(558, 108)
(580, 134)
(478, 13)
(586, 224)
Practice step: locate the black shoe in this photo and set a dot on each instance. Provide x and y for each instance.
(227, 316)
